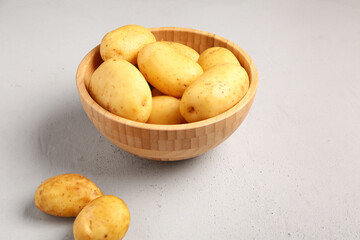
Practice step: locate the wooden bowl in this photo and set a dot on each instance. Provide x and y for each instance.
(168, 142)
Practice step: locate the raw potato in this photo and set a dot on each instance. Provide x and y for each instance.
(166, 69)
(214, 92)
(216, 56)
(119, 87)
(106, 217)
(165, 110)
(185, 50)
(125, 42)
(65, 195)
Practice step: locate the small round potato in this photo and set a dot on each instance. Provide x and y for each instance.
(65, 195)
(106, 217)
(165, 110)
(185, 50)
(166, 69)
(119, 87)
(214, 92)
(215, 56)
(125, 42)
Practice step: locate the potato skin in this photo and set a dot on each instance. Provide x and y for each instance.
(120, 88)
(165, 110)
(65, 195)
(166, 69)
(214, 92)
(216, 56)
(106, 217)
(125, 42)
(185, 50)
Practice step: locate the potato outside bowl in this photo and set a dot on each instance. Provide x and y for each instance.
(168, 142)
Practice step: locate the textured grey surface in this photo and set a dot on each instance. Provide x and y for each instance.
(291, 171)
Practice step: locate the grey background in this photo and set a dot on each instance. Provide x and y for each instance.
(291, 171)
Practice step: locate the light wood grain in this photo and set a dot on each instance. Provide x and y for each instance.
(169, 142)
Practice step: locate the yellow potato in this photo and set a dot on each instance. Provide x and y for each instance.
(166, 69)
(106, 217)
(65, 195)
(119, 87)
(165, 110)
(185, 50)
(125, 42)
(215, 56)
(155, 92)
(214, 92)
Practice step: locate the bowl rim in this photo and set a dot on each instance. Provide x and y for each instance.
(253, 76)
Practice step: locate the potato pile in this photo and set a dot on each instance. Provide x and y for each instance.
(163, 82)
(98, 216)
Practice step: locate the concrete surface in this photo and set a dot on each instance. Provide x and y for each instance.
(291, 171)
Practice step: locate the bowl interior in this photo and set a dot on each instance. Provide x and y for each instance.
(198, 40)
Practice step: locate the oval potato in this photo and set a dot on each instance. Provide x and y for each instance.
(119, 87)
(106, 217)
(125, 42)
(216, 56)
(166, 69)
(165, 110)
(214, 92)
(65, 195)
(185, 50)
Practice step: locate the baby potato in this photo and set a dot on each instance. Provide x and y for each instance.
(119, 87)
(65, 195)
(215, 56)
(106, 217)
(125, 42)
(215, 91)
(166, 69)
(165, 110)
(185, 50)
